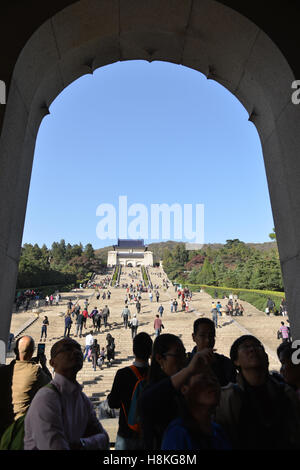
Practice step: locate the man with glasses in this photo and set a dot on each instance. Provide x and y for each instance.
(258, 412)
(61, 416)
(204, 335)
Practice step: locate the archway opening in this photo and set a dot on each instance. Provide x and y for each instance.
(207, 46)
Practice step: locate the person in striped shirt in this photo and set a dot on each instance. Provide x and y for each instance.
(285, 333)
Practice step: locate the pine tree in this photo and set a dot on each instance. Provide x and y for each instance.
(206, 275)
(89, 251)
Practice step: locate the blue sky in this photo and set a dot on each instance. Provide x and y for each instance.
(156, 133)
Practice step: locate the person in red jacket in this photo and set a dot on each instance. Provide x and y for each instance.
(157, 325)
(85, 315)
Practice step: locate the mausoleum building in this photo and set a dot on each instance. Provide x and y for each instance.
(130, 253)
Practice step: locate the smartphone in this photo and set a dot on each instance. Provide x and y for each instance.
(41, 349)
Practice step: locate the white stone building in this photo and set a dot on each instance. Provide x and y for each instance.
(130, 253)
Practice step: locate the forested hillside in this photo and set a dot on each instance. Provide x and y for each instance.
(61, 264)
(235, 264)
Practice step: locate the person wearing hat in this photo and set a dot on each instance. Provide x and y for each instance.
(258, 412)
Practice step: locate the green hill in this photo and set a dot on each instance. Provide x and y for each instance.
(159, 248)
(235, 264)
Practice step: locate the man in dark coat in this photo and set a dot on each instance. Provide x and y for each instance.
(122, 388)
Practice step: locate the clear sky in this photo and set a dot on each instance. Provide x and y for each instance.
(156, 133)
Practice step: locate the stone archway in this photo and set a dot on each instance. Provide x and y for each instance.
(204, 35)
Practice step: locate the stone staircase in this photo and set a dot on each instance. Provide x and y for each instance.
(97, 384)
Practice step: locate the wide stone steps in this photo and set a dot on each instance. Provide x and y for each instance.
(97, 384)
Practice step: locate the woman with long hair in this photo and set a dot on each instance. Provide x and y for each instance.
(95, 353)
(44, 328)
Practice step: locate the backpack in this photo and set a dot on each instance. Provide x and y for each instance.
(13, 436)
(133, 418)
(95, 349)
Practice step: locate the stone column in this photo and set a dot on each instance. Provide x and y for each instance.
(16, 155)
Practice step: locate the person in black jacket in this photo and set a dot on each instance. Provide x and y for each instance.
(44, 328)
(95, 353)
(110, 349)
(258, 412)
(68, 324)
(204, 335)
(122, 389)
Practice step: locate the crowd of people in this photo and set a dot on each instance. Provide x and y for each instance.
(205, 400)
(88, 323)
(169, 399)
(26, 297)
(272, 309)
(93, 353)
(184, 401)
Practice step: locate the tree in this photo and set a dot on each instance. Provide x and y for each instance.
(181, 255)
(272, 235)
(206, 275)
(89, 251)
(193, 277)
(58, 252)
(77, 250)
(42, 267)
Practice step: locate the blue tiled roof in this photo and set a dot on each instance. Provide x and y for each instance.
(130, 243)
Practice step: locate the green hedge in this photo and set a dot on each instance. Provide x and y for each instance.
(144, 273)
(85, 280)
(115, 276)
(42, 278)
(254, 297)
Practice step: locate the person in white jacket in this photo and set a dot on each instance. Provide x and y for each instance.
(134, 326)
